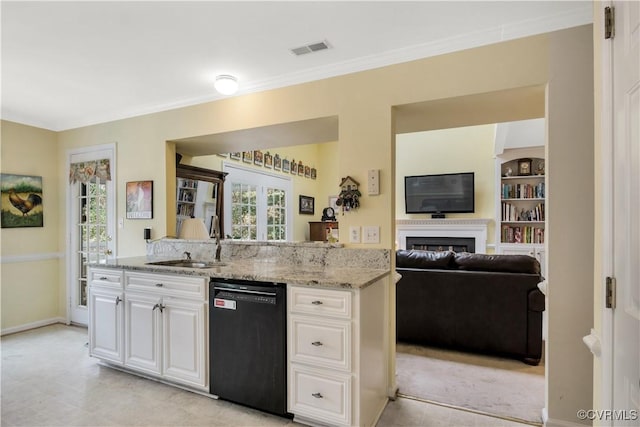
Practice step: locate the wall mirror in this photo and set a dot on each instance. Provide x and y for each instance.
(199, 194)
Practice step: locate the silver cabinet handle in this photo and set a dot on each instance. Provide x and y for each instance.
(155, 306)
(316, 343)
(159, 285)
(118, 301)
(316, 302)
(104, 278)
(317, 395)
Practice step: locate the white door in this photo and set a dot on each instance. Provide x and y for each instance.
(258, 205)
(626, 208)
(91, 221)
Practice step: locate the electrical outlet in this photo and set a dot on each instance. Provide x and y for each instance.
(371, 234)
(354, 234)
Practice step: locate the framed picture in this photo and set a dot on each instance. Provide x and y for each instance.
(313, 173)
(300, 168)
(235, 156)
(268, 160)
(257, 157)
(277, 162)
(307, 172)
(524, 167)
(286, 166)
(139, 200)
(21, 201)
(306, 205)
(294, 167)
(247, 156)
(332, 203)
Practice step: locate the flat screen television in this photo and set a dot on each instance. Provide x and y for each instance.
(439, 194)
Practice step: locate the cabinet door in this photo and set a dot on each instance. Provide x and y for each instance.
(143, 332)
(184, 341)
(522, 249)
(105, 324)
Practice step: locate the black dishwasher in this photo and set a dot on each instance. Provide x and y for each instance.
(247, 343)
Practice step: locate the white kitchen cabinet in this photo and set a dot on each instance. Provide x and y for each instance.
(166, 331)
(143, 332)
(106, 338)
(153, 324)
(337, 356)
(184, 341)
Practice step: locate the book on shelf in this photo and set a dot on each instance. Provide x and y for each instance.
(522, 234)
(523, 191)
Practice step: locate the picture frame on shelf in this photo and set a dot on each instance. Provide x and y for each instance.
(306, 205)
(268, 160)
(286, 166)
(524, 167)
(258, 158)
(277, 162)
(247, 156)
(235, 155)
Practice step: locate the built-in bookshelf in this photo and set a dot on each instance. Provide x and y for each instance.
(521, 200)
(187, 190)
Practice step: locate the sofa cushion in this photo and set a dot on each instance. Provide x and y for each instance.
(424, 259)
(502, 263)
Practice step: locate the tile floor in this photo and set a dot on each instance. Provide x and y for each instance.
(49, 380)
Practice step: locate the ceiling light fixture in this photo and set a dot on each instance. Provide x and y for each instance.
(226, 84)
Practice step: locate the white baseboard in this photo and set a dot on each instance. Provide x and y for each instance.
(33, 325)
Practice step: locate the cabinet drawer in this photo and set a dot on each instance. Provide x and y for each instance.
(321, 395)
(180, 286)
(105, 277)
(325, 302)
(320, 342)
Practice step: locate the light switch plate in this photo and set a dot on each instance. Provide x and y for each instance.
(371, 234)
(354, 234)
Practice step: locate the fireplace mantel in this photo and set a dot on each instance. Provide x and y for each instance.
(476, 228)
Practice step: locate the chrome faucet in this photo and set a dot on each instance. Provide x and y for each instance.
(216, 234)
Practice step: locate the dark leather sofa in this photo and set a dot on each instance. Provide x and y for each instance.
(471, 302)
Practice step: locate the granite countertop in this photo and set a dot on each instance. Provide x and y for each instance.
(265, 270)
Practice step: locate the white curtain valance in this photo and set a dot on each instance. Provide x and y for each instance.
(87, 171)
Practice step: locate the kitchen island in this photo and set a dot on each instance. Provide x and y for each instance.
(337, 320)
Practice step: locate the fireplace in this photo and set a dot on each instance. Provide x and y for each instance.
(461, 234)
(455, 244)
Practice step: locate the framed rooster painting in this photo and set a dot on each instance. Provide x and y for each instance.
(21, 201)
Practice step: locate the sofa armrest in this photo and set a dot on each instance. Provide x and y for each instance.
(536, 300)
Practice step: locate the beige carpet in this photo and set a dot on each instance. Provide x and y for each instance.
(503, 387)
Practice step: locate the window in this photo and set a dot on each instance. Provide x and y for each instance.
(257, 205)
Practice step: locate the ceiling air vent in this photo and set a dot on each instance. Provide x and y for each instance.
(312, 47)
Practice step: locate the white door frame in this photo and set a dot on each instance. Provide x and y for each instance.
(111, 213)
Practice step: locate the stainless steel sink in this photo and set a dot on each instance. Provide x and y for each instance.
(186, 263)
